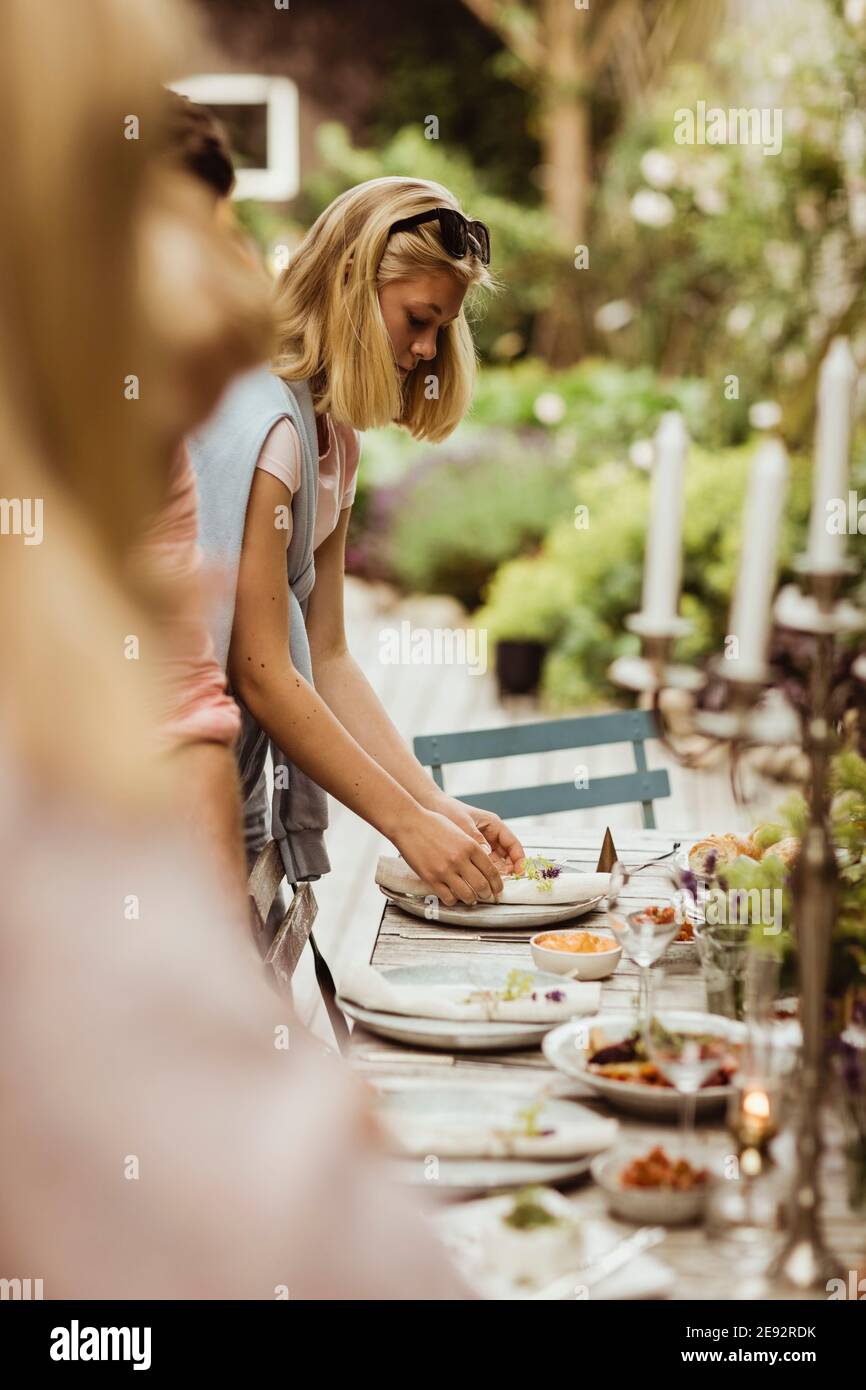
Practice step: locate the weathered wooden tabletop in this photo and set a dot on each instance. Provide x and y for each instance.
(406, 940)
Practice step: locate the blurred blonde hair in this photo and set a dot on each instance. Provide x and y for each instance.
(334, 334)
(96, 245)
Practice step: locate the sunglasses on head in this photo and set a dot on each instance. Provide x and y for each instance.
(458, 234)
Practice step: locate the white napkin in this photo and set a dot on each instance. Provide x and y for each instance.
(394, 874)
(365, 986)
(458, 1137)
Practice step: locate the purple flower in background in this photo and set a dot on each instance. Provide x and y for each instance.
(552, 872)
(689, 883)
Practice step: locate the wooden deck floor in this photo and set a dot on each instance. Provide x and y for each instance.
(441, 699)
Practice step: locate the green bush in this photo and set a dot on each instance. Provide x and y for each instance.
(461, 512)
(586, 581)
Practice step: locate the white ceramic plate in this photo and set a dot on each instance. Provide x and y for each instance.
(496, 1107)
(470, 1230)
(493, 916)
(565, 1048)
(445, 1034)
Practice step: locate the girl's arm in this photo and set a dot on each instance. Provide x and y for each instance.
(347, 692)
(299, 721)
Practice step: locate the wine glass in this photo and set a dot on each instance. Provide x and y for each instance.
(644, 937)
(687, 1048)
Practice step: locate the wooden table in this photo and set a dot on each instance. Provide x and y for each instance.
(406, 940)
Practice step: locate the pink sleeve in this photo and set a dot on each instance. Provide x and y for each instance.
(280, 455)
(195, 706)
(353, 459)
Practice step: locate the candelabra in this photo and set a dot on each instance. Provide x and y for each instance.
(817, 608)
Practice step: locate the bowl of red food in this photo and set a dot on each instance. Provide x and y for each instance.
(649, 1185)
(683, 949)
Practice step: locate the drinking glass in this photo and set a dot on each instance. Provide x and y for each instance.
(644, 940)
(723, 952)
(687, 1049)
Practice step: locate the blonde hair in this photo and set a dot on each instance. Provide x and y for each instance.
(88, 224)
(333, 333)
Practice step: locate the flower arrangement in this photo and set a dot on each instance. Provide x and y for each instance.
(847, 978)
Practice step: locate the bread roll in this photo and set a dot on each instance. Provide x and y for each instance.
(726, 848)
(787, 850)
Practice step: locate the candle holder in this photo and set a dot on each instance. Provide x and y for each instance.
(745, 1207)
(654, 669)
(818, 610)
(753, 1117)
(748, 716)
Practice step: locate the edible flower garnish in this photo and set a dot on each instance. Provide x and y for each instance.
(541, 870)
(518, 984)
(529, 1125)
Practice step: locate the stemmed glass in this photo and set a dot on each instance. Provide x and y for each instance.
(679, 1044)
(644, 936)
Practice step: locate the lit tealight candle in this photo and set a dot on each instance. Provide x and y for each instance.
(756, 1116)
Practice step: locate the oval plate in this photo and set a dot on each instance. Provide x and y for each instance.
(565, 1048)
(445, 1034)
(499, 916)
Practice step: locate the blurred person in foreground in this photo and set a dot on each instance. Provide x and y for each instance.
(157, 1137)
(199, 722)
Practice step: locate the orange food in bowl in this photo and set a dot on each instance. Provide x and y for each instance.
(580, 943)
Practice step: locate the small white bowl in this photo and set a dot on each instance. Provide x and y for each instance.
(654, 1206)
(589, 965)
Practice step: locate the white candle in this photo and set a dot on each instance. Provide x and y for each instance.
(663, 560)
(836, 385)
(756, 577)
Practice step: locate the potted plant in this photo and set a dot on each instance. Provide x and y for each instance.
(527, 604)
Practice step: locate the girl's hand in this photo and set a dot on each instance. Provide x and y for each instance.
(456, 862)
(508, 853)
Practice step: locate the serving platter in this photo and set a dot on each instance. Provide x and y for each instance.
(566, 1047)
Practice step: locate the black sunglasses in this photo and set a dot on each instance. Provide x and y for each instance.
(457, 233)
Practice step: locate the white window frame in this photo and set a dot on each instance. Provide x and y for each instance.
(278, 181)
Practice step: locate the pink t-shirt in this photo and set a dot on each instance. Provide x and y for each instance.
(338, 470)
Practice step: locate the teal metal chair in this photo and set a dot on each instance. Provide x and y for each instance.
(630, 726)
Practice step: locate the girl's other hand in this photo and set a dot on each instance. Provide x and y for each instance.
(458, 864)
(507, 851)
